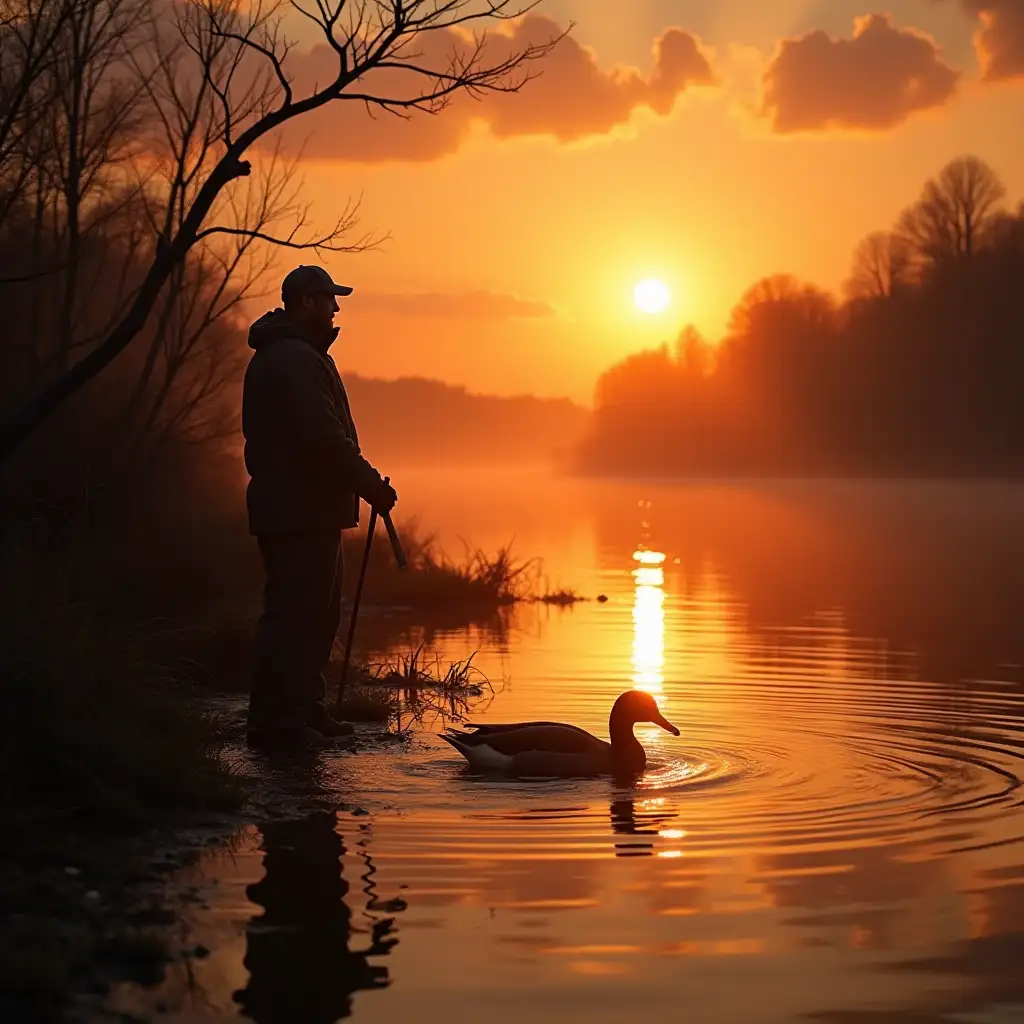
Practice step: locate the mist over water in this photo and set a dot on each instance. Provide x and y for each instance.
(838, 833)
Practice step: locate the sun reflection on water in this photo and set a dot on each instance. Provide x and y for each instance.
(649, 621)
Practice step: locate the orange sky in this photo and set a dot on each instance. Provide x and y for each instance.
(519, 226)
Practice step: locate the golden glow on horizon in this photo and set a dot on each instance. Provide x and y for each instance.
(558, 251)
(651, 296)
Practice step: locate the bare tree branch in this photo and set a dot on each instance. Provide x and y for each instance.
(881, 265)
(955, 211)
(222, 87)
(28, 33)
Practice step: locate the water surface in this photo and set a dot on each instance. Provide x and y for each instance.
(838, 834)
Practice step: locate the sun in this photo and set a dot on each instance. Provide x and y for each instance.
(651, 296)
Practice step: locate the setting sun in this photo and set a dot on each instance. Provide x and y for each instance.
(651, 296)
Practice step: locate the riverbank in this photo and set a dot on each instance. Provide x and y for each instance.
(123, 762)
(92, 898)
(90, 907)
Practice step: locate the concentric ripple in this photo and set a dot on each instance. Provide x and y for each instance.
(807, 767)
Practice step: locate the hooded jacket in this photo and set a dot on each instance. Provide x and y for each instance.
(306, 473)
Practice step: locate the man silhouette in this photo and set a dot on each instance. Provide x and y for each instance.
(302, 969)
(306, 478)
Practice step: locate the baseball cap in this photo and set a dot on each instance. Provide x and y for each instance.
(306, 279)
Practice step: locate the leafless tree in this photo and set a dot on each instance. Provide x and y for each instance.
(191, 353)
(29, 30)
(92, 130)
(881, 265)
(223, 84)
(954, 212)
(69, 153)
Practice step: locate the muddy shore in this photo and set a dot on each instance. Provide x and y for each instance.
(92, 908)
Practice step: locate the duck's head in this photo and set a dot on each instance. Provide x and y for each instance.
(638, 706)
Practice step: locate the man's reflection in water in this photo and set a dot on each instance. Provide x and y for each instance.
(297, 951)
(626, 821)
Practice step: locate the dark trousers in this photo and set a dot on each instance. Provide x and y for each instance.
(296, 631)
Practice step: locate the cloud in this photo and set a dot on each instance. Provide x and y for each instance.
(570, 97)
(999, 42)
(574, 98)
(876, 80)
(474, 305)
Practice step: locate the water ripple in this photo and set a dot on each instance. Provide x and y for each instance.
(802, 766)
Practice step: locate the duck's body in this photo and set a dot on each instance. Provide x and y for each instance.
(554, 748)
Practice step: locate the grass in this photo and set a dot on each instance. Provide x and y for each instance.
(417, 689)
(562, 596)
(480, 580)
(499, 578)
(364, 702)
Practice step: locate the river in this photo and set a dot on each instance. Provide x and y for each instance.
(837, 835)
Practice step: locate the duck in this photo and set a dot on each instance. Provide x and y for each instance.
(556, 749)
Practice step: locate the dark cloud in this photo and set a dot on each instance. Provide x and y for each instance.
(474, 305)
(570, 97)
(875, 80)
(999, 41)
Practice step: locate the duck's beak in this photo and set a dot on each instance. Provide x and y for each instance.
(665, 724)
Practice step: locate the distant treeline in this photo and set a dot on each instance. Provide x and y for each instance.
(919, 369)
(429, 422)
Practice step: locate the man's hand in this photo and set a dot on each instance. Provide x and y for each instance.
(383, 500)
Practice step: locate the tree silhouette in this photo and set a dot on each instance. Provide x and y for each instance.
(914, 373)
(954, 212)
(217, 81)
(29, 34)
(881, 265)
